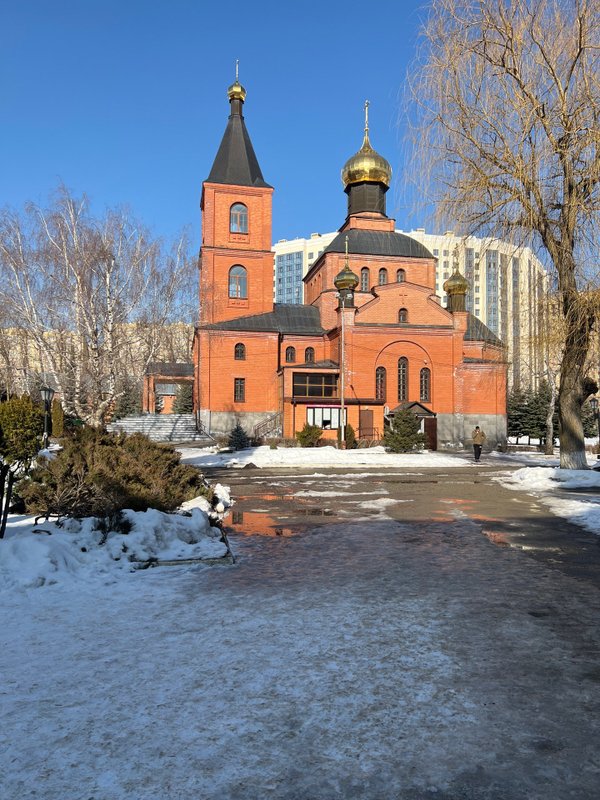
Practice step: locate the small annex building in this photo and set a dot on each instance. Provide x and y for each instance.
(371, 331)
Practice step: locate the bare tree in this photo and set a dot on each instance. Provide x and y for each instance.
(507, 99)
(87, 293)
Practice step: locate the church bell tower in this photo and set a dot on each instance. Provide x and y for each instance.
(236, 261)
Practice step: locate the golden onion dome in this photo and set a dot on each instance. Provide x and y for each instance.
(456, 284)
(366, 165)
(236, 91)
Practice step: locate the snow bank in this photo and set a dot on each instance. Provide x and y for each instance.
(548, 483)
(37, 555)
(317, 457)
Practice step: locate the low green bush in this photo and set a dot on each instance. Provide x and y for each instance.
(98, 474)
(309, 435)
(350, 438)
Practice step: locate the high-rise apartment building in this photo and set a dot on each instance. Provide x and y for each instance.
(293, 259)
(507, 287)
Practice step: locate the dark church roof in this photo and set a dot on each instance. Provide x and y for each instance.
(478, 332)
(378, 243)
(172, 369)
(303, 320)
(236, 161)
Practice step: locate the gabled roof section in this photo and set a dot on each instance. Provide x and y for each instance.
(236, 163)
(378, 243)
(293, 319)
(172, 369)
(478, 332)
(417, 408)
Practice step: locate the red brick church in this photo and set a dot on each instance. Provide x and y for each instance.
(371, 336)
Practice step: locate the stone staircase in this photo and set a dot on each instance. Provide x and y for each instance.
(162, 428)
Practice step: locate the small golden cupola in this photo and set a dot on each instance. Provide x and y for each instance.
(236, 92)
(366, 177)
(456, 288)
(346, 282)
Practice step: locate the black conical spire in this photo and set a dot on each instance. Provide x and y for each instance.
(236, 163)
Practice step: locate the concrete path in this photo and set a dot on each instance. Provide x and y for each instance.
(379, 640)
(412, 653)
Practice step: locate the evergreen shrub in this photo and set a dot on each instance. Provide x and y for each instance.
(238, 438)
(99, 474)
(129, 401)
(184, 403)
(58, 419)
(405, 435)
(21, 429)
(309, 435)
(350, 438)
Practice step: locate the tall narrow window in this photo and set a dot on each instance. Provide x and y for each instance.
(309, 355)
(380, 383)
(238, 282)
(290, 354)
(239, 390)
(365, 279)
(426, 384)
(400, 276)
(240, 352)
(403, 378)
(383, 277)
(403, 315)
(238, 218)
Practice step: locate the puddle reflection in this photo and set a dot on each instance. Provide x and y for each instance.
(257, 523)
(497, 538)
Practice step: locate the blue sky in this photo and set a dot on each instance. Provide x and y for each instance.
(127, 102)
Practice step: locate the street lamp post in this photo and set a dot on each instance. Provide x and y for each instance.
(47, 395)
(343, 374)
(345, 283)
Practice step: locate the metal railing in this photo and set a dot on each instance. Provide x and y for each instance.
(273, 425)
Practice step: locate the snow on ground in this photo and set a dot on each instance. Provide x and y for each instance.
(552, 486)
(383, 660)
(317, 457)
(38, 555)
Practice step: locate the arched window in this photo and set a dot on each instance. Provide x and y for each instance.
(238, 218)
(403, 378)
(309, 355)
(380, 383)
(403, 315)
(400, 276)
(239, 352)
(238, 282)
(290, 354)
(426, 384)
(382, 276)
(365, 279)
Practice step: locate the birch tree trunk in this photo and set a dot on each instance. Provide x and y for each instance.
(93, 296)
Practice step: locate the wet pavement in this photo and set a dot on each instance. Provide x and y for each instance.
(391, 635)
(406, 636)
(288, 502)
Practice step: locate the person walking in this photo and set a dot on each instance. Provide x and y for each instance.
(479, 438)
